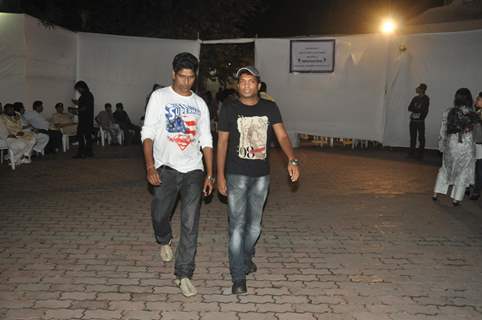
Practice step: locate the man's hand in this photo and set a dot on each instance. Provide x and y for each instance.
(222, 185)
(294, 172)
(208, 186)
(153, 176)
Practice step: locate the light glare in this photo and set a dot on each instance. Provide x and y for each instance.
(388, 26)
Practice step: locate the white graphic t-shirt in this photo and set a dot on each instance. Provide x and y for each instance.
(179, 127)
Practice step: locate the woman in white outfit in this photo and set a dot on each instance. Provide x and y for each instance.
(458, 148)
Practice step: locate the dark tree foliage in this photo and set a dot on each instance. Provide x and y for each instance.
(187, 19)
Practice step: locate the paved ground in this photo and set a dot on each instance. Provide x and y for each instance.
(359, 238)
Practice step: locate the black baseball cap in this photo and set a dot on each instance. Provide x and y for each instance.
(250, 69)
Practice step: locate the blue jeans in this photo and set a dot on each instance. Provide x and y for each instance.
(246, 198)
(189, 187)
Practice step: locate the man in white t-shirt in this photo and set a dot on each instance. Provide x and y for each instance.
(40, 126)
(176, 129)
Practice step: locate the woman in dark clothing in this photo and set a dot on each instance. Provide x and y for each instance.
(85, 113)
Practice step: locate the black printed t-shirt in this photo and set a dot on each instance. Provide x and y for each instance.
(250, 133)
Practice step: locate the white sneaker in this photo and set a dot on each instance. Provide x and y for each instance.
(25, 161)
(166, 252)
(186, 286)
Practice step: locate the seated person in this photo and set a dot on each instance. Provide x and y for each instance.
(40, 125)
(20, 142)
(122, 118)
(63, 121)
(106, 121)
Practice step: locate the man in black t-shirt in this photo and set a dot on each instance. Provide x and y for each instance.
(245, 129)
(419, 110)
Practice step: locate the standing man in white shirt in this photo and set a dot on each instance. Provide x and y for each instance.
(176, 129)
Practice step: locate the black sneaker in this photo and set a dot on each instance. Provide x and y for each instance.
(239, 287)
(475, 196)
(252, 268)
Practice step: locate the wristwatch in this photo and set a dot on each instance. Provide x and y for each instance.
(211, 178)
(294, 162)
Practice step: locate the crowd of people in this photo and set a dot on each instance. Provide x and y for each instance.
(29, 133)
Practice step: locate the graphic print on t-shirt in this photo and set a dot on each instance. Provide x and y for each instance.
(253, 136)
(181, 124)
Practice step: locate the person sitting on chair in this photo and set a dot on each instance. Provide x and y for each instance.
(125, 123)
(41, 139)
(63, 121)
(20, 142)
(106, 121)
(41, 125)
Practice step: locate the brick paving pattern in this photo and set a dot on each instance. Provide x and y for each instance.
(359, 238)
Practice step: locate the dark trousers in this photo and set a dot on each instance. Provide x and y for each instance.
(128, 128)
(189, 187)
(478, 176)
(84, 136)
(55, 140)
(417, 128)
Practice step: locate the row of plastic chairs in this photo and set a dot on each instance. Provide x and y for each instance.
(106, 137)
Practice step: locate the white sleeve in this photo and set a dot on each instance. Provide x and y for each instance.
(205, 137)
(151, 119)
(442, 139)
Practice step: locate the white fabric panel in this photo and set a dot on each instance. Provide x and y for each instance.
(12, 58)
(51, 65)
(445, 62)
(124, 69)
(347, 103)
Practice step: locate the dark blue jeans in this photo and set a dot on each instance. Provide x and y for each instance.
(189, 187)
(246, 198)
(478, 176)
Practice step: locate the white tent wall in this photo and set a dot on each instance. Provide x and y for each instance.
(12, 58)
(124, 69)
(347, 103)
(445, 62)
(50, 65)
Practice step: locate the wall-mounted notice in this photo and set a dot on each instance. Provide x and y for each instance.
(317, 56)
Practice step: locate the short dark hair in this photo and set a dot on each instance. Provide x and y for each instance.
(81, 85)
(17, 106)
(185, 60)
(36, 104)
(463, 97)
(263, 87)
(8, 106)
(58, 105)
(107, 105)
(119, 105)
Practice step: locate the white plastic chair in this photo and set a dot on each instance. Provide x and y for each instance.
(105, 135)
(4, 146)
(65, 141)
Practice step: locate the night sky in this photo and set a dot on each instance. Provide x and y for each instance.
(214, 19)
(285, 18)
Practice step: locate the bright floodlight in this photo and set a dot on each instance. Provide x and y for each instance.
(388, 26)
